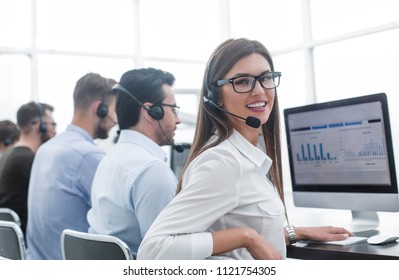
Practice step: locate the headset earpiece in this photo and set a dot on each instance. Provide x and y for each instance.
(209, 93)
(156, 112)
(42, 127)
(102, 110)
(7, 142)
(42, 123)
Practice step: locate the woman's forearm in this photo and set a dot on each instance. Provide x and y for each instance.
(234, 238)
(231, 239)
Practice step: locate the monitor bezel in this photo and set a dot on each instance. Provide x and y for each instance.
(350, 188)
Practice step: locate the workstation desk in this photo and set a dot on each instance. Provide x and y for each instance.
(359, 251)
(389, 224)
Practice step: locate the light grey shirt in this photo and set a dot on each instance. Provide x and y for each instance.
(133, 183)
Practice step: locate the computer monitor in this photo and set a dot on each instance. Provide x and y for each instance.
(341, 157)
(178, 159)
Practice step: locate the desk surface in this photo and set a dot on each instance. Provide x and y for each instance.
(359, 251)
(389, 224)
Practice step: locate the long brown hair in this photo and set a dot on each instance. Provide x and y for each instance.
(214, 122)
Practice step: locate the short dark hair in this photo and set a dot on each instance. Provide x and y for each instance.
(31, 112)
(9, 132)
(146, 85)
(90, 88)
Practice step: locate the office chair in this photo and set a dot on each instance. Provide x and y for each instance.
(12, 244)
(7, 214)
(78, 245)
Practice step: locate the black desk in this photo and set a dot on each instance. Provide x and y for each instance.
(360, 251)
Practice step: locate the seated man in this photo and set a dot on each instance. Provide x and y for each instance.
(133, 182)
(63, 170)
(37, 126)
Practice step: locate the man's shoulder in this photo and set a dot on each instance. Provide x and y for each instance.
(70, 142)
(19, 153)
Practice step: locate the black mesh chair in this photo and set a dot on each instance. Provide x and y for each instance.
(12, 244)
(78, 245)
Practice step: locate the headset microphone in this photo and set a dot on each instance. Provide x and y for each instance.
(178, 148)
(250, 121)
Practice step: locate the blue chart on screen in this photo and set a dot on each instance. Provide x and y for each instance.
(341, 156)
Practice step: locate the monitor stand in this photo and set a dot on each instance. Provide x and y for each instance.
(364, 221)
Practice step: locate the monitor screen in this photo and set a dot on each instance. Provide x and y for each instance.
(341, 154)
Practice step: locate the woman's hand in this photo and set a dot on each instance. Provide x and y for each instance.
(324, 234)
(262, 250)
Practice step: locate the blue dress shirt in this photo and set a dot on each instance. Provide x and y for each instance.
(59, 190)
(133, 183)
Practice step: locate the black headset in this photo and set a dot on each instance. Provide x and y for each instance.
(11, 133)
(209, 93)
(42, 123)
(7, 141)
(210, 97)
(102, 110)
(11, 138)
(155, 111)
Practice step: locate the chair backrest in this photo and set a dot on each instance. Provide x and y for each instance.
(12, 244)
(78, 245)
(7, 214)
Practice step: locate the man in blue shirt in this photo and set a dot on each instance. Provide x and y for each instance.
(36, 125)
(133, 182)
(63, 169)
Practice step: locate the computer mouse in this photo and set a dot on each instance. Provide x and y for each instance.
(380, 239)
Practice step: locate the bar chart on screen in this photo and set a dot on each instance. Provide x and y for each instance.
(332, 148)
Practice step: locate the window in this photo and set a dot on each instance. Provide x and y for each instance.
(336, 17)
(326, 50)
(15, 22)
(91, 26)
(15, 84)
(360, 70)
(166, 31)
(269, 22)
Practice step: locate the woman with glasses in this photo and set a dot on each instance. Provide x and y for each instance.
(230, 200)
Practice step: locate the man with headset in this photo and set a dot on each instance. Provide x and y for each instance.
(37, 125)
(133, 182)
(9, 135)
(63, 169)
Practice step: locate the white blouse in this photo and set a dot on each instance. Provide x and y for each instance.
(224, 187)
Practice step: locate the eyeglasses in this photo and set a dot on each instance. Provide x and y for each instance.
(246, 83)
(175, 108)
(54, 124)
